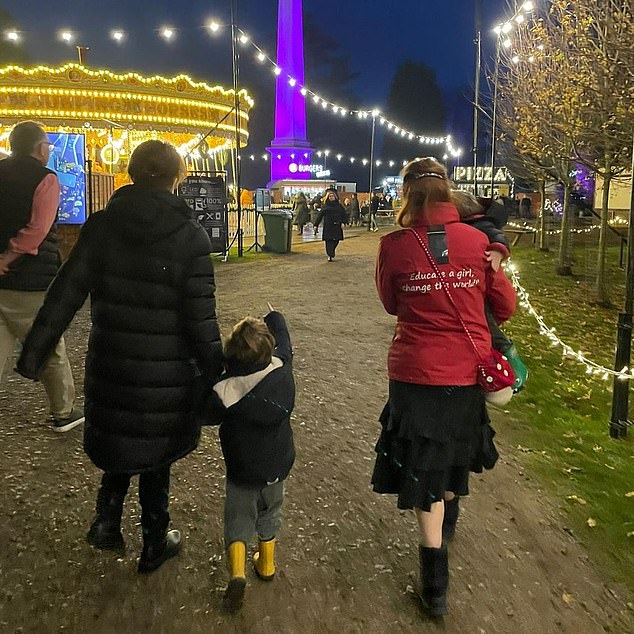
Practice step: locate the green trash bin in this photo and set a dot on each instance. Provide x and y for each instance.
(279, 231)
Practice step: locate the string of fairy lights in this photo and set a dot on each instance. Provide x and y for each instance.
(170, 33)
(592, 368)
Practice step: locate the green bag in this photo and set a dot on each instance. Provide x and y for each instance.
(519, 368)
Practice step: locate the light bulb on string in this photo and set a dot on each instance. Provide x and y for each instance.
(12, 36)
(316, 98)
(507, 27)
(168, 33)
(261, 57)
(66, 36)
(117, 35)
(243, 39)
(507, 43)
(214, 27)
(292, 81)
(520, 18)
(277, 70)
(528, 6)
(303, 92)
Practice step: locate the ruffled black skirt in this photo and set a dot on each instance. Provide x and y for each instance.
(432, 437)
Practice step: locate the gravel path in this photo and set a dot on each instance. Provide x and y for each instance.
(347, 557)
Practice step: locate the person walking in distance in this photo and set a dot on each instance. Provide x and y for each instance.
(374, 208)
(333, 215)
(148, 270)
(355, 211)
(301, 212)
(29, 260)
(435, 428)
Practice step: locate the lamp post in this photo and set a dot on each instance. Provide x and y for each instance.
(476, 101)
(494, 114)
(374, 116)
(619, 420)
(235, 68)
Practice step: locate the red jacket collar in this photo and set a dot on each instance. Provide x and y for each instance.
(438, 214)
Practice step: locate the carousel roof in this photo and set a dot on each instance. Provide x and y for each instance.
(74, 95)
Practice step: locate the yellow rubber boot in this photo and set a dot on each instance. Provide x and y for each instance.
(237, 563)
(264, 560)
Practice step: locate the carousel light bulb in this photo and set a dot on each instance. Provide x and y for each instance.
(507, 27)
(316, 98)
(66, 36)
(292, 81)
(214, 27)
(531, 59)
(515, 59)
(303, 92)
(378, 163)
(12, 36)
(244, 38)
(326, 152)
(365, 161)
(339, 157)
(344, 112)
(376, 113)
(261, 56)
(498, 29)
(277, 70)
(528, 6)
(117, 35)
(520, 18)
(507, 43)
(352, 159)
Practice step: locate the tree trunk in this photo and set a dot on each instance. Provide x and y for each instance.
(543, 224)
(564, 266)
(603, 295)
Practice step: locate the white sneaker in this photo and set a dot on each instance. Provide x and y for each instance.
(76, 417)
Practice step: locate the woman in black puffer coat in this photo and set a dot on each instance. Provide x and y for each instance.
(147, 267)
(333, 215)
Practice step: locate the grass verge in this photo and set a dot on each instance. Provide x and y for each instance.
(561, 420)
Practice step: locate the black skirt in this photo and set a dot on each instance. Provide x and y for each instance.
(432, 437)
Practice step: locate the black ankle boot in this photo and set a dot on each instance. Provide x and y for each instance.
(105, 531)
(452, 510)
(434, 573)
(157, 552)
(105, 535)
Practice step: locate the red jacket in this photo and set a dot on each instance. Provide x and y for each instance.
(430, 346)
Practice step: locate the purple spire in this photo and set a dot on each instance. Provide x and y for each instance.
(290, 142)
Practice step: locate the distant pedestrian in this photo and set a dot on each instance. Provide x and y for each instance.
(148, 270)
(355, 212)
(301, 212)
(333, 215)
(253, 402)
(435, 428)
(346, 206)
(29, 260)
(374, 209)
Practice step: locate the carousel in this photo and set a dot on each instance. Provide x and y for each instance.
(95, 118)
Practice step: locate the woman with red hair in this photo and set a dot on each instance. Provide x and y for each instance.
(434, 275)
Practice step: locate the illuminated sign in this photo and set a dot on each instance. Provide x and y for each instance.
(293, 168)
(465, 174)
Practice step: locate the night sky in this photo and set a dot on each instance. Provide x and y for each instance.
(377, 34)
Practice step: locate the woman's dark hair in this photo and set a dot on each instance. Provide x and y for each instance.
(424, 183)
(156, 164)
(25, 136)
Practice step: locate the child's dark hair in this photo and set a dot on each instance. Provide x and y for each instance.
(250, 341)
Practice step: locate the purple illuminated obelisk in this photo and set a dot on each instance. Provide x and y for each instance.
(290, 149)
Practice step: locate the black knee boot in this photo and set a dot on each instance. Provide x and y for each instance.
(434, 573)
(105, 531)
(452, 510)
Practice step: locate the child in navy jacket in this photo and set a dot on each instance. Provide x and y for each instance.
(253, 401)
